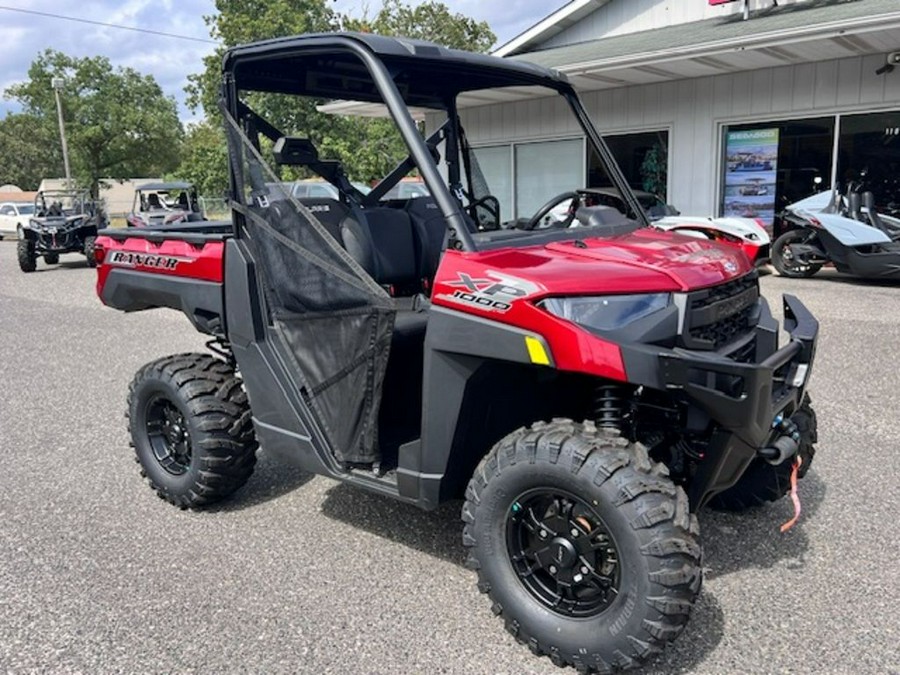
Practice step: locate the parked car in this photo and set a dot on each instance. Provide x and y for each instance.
(407, 189)
(14, 218)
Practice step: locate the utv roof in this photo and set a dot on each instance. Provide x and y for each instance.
(329, 66)
(174, 185)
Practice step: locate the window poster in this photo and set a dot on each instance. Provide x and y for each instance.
(751, 159)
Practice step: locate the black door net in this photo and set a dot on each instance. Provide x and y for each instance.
(333, 319)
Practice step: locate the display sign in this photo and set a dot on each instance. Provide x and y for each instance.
(751, 164)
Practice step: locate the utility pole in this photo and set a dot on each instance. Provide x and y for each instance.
(57, 83)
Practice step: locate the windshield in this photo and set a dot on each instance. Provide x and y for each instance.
(457, 109)
(25, 209)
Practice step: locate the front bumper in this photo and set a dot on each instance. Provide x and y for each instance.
(61, 241)
(742, 398)
(745, 397)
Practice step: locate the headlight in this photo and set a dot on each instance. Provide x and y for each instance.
(607, 312)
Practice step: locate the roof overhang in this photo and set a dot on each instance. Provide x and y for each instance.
(715, 47)
(557, 22)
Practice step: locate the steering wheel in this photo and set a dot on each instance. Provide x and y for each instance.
(545, 210)
(490, 204)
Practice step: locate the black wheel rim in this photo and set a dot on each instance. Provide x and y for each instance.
(790, 261)
(170, 440)
(563, 553)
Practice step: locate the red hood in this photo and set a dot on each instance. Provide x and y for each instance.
(643, 261)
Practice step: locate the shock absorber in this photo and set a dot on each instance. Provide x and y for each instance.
(608, 406)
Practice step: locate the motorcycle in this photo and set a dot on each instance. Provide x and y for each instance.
(845, 230)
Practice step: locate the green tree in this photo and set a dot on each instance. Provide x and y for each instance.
(29, 151)
(368, 148)
(240, 21)
(118, 122)
(204, 159)
(432, 21)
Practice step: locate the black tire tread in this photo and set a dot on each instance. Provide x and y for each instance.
(225, 444)
(671, 530)
(26, 255)
(89, 245)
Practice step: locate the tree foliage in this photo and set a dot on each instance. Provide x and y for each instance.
(432, 21)
(118, 122)
(204, 159)
(368, 148)
(29, 151)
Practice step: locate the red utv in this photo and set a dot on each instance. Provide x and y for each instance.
(584, 390)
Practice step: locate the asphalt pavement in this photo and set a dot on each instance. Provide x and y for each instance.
(302, 574)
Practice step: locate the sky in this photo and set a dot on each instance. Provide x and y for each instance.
(171, 60)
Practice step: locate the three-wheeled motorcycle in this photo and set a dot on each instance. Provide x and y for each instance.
(846, 231)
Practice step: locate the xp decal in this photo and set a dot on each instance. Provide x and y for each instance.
(494, 294)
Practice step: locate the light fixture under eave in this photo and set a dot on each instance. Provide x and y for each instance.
(890, 62)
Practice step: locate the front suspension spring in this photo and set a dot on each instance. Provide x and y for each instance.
(608, 406)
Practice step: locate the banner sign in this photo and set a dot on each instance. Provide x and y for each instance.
(751, 165)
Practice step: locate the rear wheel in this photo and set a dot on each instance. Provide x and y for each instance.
(89, 246)
(191, 429)
(586, 547)
(784, 259)
(51, 258)
(26, 255)
(763, 482)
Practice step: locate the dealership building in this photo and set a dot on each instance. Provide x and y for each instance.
(724, 108)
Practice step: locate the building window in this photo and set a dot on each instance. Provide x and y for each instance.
(643, 159)
(869, 155)
(769, 165)
(544, 170)
(496, 166)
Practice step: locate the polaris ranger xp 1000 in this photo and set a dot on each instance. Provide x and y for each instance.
(584, 390)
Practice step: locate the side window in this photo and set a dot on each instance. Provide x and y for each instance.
(7, 210)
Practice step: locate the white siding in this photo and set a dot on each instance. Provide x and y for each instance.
(694, 110)
(621, 17)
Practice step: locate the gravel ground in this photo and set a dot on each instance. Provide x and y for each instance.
(302, 574)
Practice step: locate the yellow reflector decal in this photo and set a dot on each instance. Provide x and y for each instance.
(536, 351)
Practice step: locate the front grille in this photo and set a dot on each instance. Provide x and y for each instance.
(717, 316)
(62, 239)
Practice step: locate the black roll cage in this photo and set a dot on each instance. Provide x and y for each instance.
(370, 50)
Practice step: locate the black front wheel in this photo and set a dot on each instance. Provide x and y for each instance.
(787, 260)
(26, 255)
(584, 545)
(191, 429)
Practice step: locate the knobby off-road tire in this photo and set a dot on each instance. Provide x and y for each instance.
(26, 255)
(641, 542)
(89, 246)
(763, 482)
(191, 429)
(51, 258)
(785, 266)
